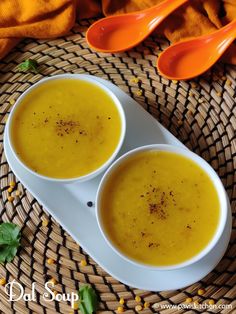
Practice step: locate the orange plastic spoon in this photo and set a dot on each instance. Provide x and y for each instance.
(193, 57)
(122, 32)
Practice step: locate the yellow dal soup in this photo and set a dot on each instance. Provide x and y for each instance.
(66, 128)
(159, 208)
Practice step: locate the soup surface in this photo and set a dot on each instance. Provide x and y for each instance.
(160, 208)
(66, 128)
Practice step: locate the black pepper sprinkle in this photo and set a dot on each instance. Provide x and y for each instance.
(90, 204)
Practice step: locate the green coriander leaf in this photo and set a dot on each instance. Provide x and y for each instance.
(9, 241)
(88, 300)
(29, 65)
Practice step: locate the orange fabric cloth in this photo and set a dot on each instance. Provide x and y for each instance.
(54, 18)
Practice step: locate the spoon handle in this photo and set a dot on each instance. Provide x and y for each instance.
(230, 28)
(229, 34)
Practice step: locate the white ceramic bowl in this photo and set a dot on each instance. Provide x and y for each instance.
(208, 170)
(92, 81)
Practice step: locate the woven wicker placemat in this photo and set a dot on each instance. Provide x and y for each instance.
(201, 113)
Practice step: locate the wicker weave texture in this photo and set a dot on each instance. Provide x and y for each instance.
(201, 113)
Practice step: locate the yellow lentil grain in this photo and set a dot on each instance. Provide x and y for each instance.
(18, 193)
(2, 281)
(191, 94)
(193, 84)
(174, 81)
(196, 302)
(120, 309)
(53, 281)
(146, 305)
(219, 94)
(122, 301)
(211, 302)
(139, 92)
(9, 190)
(137, 298)
(10, 199)
(83, 262)
(50, 261)
(138, 307)
(76, 306)
(228, 82)
(12, 102)
(44, 222)
(12, 184)
(134, 80)
(201, 291)
(55, 292)
(188, 300)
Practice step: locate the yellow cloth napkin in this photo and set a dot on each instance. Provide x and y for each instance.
(54, 18)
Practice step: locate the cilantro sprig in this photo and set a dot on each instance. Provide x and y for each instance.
(9, 241)
(88, 300)
(29, 65)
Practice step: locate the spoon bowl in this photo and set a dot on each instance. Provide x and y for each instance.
(122, 32)
(193, 57)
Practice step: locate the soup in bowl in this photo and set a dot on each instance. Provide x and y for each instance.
(161, 207)
(67, 128)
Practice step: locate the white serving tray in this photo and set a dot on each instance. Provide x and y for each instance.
(68, 205)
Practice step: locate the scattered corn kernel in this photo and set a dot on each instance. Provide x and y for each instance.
(211, 302)
(180, 122)
(18, 193)
(146, 305)
(76, 306)
(9, 190)
(122, 301)
(53, 281)
(201, 291)
(191, 94)
(12, 102)
(50, 261)
(83, 262)
(196, 302)
(139, 92)
(44, 222)
(189, 300)
(10, 199)
(219, 94)
(138, 307)
(137, 298)
(174, 81)
(134, 80)
(2, 281)
(55, 292)
(228, 82)
(200, 100)
(120, 309)
(12, 184)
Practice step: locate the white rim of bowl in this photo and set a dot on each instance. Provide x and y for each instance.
(80, 77)
(206, 167)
